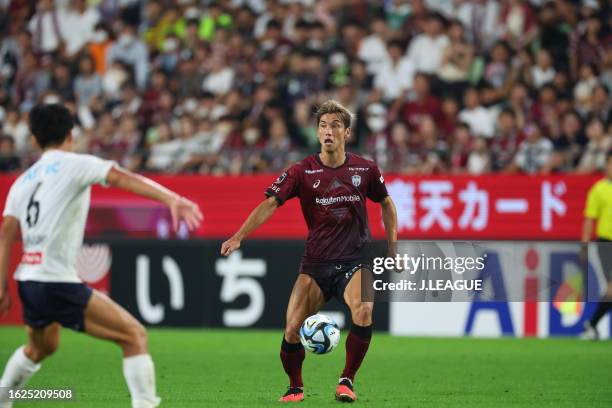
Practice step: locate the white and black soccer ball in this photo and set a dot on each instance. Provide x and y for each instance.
(319, 334)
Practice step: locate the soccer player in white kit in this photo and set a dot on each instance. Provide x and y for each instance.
(48, 204)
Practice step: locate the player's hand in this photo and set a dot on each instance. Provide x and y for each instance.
(5, 301)
(230, 246)
(181, 209)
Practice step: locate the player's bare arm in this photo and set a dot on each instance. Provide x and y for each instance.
(258, 216)
(181, 208)
(389, 216)
(8, 234)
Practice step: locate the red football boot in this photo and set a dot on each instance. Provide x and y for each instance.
(344, 391)
(295, 394)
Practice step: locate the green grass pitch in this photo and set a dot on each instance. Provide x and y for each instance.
(232, 368)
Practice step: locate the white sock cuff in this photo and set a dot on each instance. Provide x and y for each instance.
(138, 359)
(25, 361)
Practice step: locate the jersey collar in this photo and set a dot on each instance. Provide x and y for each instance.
(346, 159)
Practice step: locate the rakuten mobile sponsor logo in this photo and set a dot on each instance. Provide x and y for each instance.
(336, 200)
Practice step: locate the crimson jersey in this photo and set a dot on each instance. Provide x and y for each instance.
(333, 202)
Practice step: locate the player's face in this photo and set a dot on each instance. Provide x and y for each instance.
(332, 133)
(609, 168)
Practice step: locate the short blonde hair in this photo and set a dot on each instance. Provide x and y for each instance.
(332, 106)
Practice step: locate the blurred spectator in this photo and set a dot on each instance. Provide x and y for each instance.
(378, 138)
(30, 82)
(479, 160)
(594, 157)
(457, 60)
(61, 82)
(422, 103)
(9, 161)
(518, 23)
(554, 36)
(219, 80)
(480, 119)
(461, 146)
(78, 26)
(480, 17)
(568, 142)
(449, 117)
(48, 26)
(98, 48)
(394, 75)
(17, 128)
(506, 141)
(602, 104)
(87, 84)
(277, 147)
(374, 49)
(589, 42)
(426, 50)
(132, 52)
(543, 72)
(534, 152)
(497, 70)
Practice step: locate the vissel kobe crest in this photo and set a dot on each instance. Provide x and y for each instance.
(356, 180)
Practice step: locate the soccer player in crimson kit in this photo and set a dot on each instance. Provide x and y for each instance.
(332, 186)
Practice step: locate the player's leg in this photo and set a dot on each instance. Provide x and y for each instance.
(306, 299)
(358, 339)
(107, 320)
(605, 303)
(26, 360)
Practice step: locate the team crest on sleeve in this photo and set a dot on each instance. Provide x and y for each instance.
(281, 178)
(356, 180)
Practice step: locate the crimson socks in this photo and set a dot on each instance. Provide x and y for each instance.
(357, 344)
(292, 355)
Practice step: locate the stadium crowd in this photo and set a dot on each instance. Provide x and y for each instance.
(229, 87)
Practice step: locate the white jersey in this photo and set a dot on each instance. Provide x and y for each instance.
(51, 201)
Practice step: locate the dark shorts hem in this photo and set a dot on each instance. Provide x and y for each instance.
(45, 303)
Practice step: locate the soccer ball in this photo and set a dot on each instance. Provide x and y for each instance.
(319, 334)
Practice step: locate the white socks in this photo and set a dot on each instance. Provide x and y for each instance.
(139, 374)
(19, 369)
(138, 370)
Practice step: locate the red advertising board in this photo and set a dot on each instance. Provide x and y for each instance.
(444, 207)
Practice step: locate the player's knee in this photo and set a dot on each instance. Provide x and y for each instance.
(137, 338)
(362, 313)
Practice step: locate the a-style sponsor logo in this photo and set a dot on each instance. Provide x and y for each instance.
(356, 179)
(336, 200)
(358, 169)
(313, 171)
(31, 258)
(316, 184)
(382, 180)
